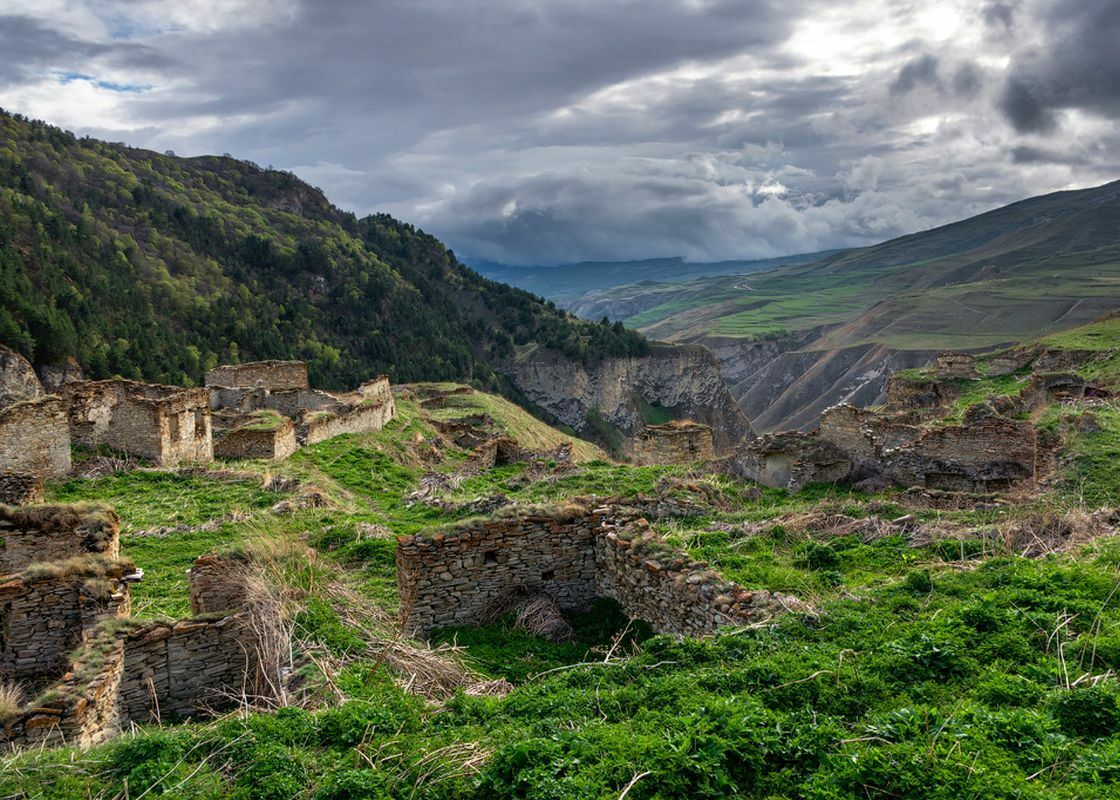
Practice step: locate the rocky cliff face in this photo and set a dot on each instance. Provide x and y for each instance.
(18, 381)
(685, 380)
(781, 386)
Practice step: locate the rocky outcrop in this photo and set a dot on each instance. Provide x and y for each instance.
(18, 381)
(684, 380)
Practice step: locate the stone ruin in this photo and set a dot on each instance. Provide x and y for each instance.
(676, 442)
(914, 440)
(241, 395)
(66, 591)
(34, 444)
(167, 425)
(573, 555)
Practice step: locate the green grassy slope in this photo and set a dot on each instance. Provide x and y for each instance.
(952, 669)
(156, 267)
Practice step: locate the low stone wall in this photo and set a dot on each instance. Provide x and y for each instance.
(45, 613)
(361, 419)
(217, 583)
(35, 438)
(987, 455)
(270, 375)
(21, 490)
(673, 593)
(275, 443)
(460, 577)
(674, 443)
(467, 575)
(951, 366)
(55, 533)
(142, 674)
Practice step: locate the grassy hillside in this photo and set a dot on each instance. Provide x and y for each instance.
(157, 267)
(1044, 264)
(942, 663)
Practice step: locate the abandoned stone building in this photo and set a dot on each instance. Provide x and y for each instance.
(263, 435)
(572, 555)
(71, 594)
(168, 425)
(676, 442)
(239, 392)
(790, 460)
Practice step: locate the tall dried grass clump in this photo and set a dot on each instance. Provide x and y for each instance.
(11, 701)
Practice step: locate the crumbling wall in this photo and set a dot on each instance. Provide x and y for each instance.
(18, 381)
(55, 533)
(790, 460)
(141, 674)
(317, 427)
(679, 442)
(459, 577)
(217, 583)
(376, 390)
(466, 575)
(166, 424)
(34, 438)
(951, 366)
(21, 490)
(670, 591)
(906, 393)
(47, 612)
(980, 456)
(271, 375)
(275, 443)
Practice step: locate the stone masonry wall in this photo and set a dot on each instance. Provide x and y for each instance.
(362, 419)
(55, 533)
(144, 674)
(44, 616)
(464, 576)
(272, 375)
(34, 438)
(674, 443)
(21, 490)
(247, 442)
(981, 456)
(461, 576)
(217, 583)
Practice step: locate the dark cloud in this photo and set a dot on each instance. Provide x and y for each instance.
(1077, 67)
(922, 71)
(1000, 13)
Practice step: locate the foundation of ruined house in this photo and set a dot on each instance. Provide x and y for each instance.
(249, 441)
(572, 555)
(677, 442)
(167, 425)
(125, 672)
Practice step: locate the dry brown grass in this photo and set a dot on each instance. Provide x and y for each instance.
(11, 701)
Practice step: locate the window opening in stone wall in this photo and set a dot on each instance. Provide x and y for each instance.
(548, 574)
(200, 424)
(490, 557)
(173, 426)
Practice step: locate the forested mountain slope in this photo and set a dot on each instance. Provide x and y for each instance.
(157, 267)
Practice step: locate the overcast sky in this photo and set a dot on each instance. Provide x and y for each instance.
(560, 130)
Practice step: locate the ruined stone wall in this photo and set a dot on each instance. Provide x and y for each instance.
(847, 427)
(44, 616)
(247, 442)
(146, 674)
(18, 381)
(217, 583)
(376, 390)
(465, 576)
(670, 591)
(21, 490)
(790, 460)
(461, 576)
(293, 402)
(34, 438)
(982, 456)
(906, 394)
(674, 443)
(55, 533)
(950, 366)
(272, 375)
(361, 419)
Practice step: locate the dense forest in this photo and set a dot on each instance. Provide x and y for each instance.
(156, 267)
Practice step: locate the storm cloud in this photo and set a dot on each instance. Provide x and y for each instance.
(541, 131)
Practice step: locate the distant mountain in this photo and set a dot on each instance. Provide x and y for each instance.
(564, 283)
(794, 340)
